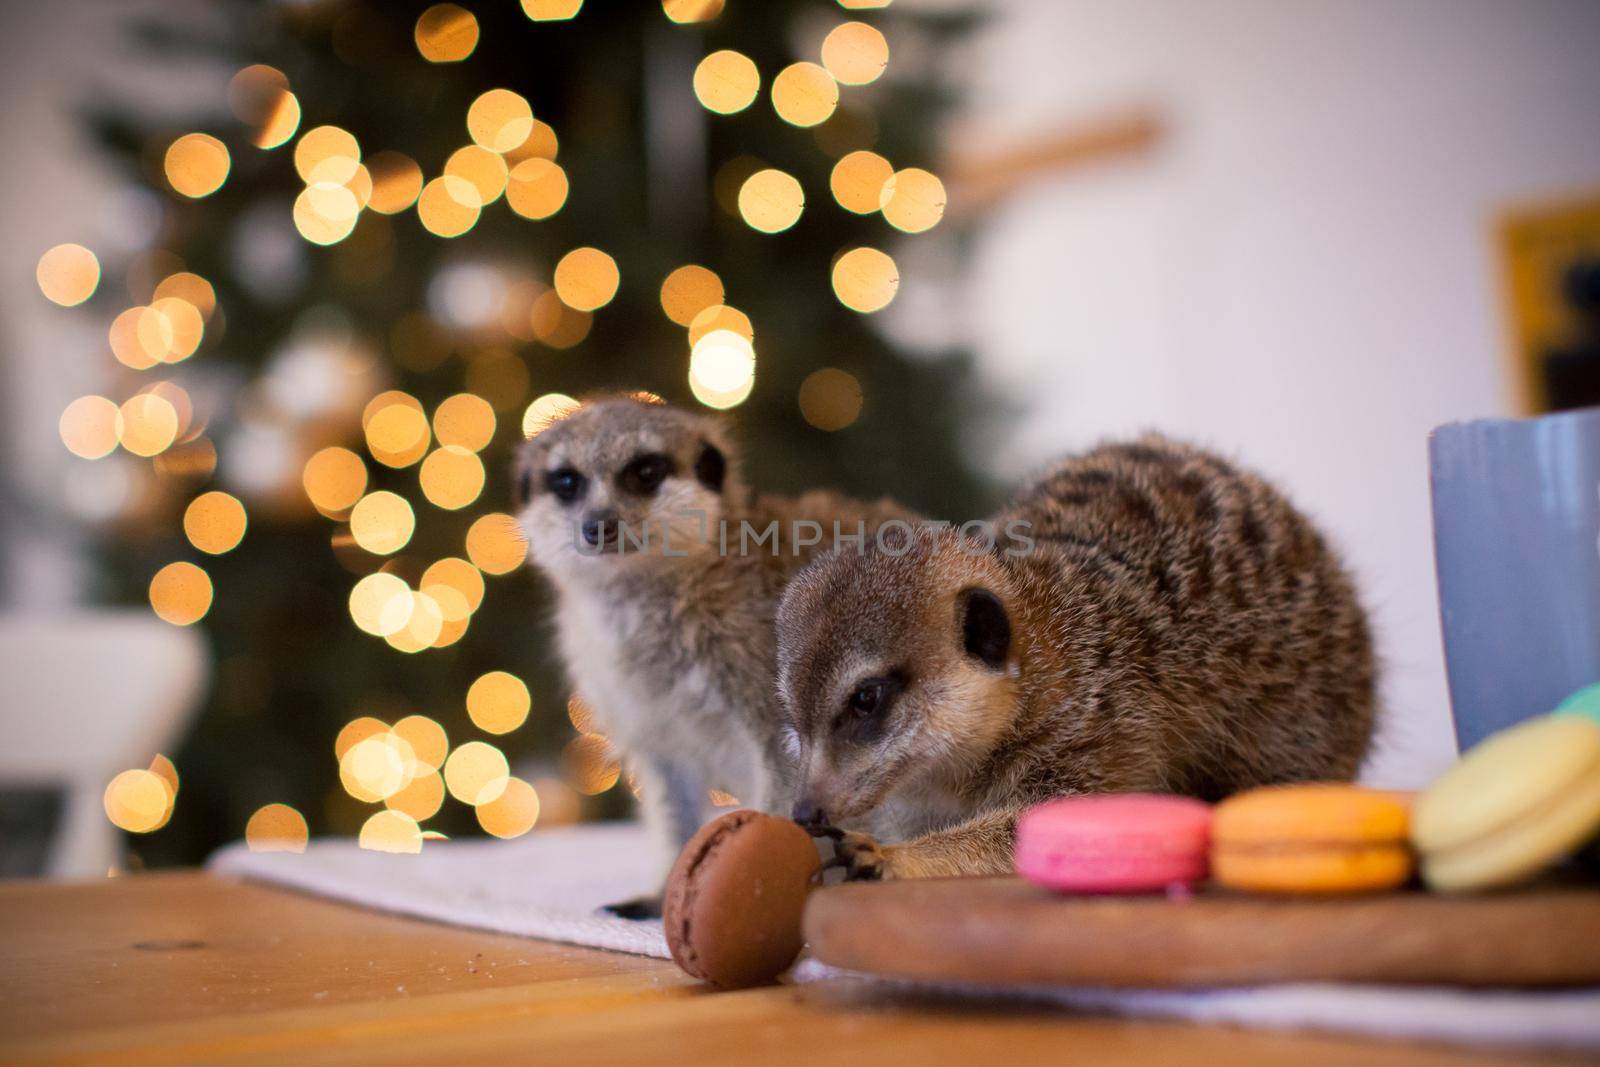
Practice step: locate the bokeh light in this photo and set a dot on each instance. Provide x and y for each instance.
(376, 767)
(90, 427)
(446, 33)
(476, 773)
(550, 10)
(189, 288)
(180, 593)
(726, 82)
(485, 170)
(355, 731)
(691, 10)
(149, 424)
(452, 477)
(536, 188)
(396, 429)
(689, 290)
(396, 181)
(581, 715)
(722, 367)
(865, 279)
(428, 740)
(327, 155)
(542, 143)
(499, 120)
(830, 399)
(513, 813)
(590, 765)
(557, 325)
(382, 522)
(855, 53)
(276, 828)
(456, 585)
(804, 94)
(464, 419)
(334, 479)
(325, 214)
(546, 411)
(391, 831)
(449, 206)
(380, 604)
(171, 329)
(495, 544)
(857, 181)
(771, 201)
(214, 522)
(279, 123)
(720, 317)
(68, 274)
(421, 798)
(138, 801)
(498, 702)
(586, 279)
(196, 165)
(913, 200)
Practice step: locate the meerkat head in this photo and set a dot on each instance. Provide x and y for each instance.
(895, 671)
(622, 481)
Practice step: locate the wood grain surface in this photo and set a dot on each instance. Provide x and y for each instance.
(188, 968)
(1005, 931)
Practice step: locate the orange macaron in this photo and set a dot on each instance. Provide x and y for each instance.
(1313, 837)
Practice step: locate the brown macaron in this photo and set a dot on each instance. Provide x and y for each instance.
(735, 897)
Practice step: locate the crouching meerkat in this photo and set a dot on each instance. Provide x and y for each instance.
(1159, 620)
(667, 570)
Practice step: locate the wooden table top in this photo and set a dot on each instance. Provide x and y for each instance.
(187, 967)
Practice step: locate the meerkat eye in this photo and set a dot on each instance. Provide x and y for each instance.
(645, 474)
(566, 484)
(863, 716)
(867, 699)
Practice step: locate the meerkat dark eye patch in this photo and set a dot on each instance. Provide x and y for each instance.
(565, 484)
(866, 707)
(985, 627)
(644, 474)
(711, 468)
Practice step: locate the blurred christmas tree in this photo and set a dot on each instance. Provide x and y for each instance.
(407, 230)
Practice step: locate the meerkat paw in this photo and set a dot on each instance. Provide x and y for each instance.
(863, 859)
(646, 907)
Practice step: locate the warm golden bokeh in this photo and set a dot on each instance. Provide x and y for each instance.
(771, 201)
(590, 765)
(276, 828)
(376, 767)
(545, 412)
(495, 544)
(720, 317)
(722, 369)
(396, 181)
(327, 155)
(499, 120)
(196, 165)
(391, 831)
(692, 10)
(214, 522)
(279, 123)
(355, 731)
(581, 715)
(398, 434)
(830, 399)
(586, 279)
(804, 94)
(913, 200)
(452, 477)
(164, 769)
(171, 329)
(476, 773)
(498, 702)
(189, 288)
(382, 523)
(865, 279)
(446, 33)
(334, 479)
(485, 170)
(449, 206)
(536, 188)
(456, 584)
(180, 593)
(421, 798)
(689, 290)
(429, 743)
(325, 213)
(149, 424)
(542, 143)
(726, 82)
(719, 799)
(68, 274)
(380, 604)
(252, 90)
(513, 813)
(550, 10)
(126, 346)
(466, 420)
(855, 53)
(138, 801)
(90, 427)
(555, 324)
(857, 181)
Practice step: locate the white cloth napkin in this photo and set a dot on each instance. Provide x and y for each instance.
(550, 883)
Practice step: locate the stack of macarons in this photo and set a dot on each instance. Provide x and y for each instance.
(1523, 800)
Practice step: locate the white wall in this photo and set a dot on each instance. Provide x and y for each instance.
(1303, 274)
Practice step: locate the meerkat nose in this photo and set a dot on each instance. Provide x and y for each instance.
(600, 526)
(808, 814)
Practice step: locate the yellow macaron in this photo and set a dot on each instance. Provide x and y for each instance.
(1516, 803)
(1314, 837)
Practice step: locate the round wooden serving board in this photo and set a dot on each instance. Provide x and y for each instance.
(1003, 931)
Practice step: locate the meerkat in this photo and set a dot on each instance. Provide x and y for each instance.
(667, 570)
(1158, 620)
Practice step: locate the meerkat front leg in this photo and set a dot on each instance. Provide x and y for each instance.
(670, 805)
(979, 846)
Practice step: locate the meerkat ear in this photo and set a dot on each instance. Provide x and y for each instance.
(985, 627)
(711, 467)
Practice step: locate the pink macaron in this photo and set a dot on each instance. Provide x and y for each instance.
(1123, 843)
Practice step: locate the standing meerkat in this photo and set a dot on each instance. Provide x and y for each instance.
(667, 570)
(1162, 621)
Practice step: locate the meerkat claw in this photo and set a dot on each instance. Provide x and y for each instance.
(861, 857)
